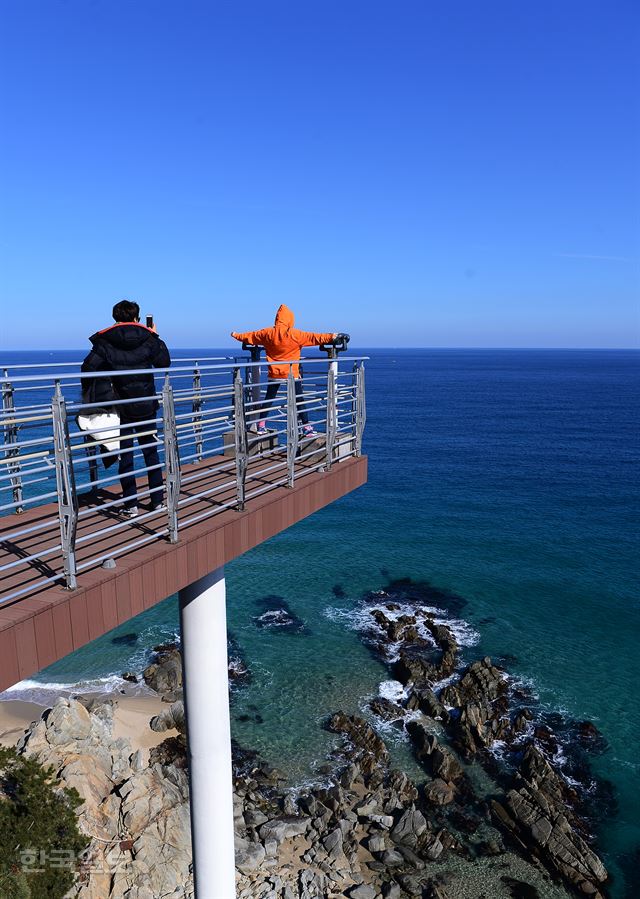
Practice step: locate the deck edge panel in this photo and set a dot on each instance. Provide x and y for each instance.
(106, 598)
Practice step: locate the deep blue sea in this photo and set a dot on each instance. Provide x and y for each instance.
(509, 477)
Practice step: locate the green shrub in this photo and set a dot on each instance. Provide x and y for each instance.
(37, 816)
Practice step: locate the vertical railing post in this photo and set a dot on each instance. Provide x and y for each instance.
(240, 429)
(10, 435)
(253, 385)
(331, 411)
(171, 459)
(197, 411)
(292, 428)
(361, 408)
(66, 486)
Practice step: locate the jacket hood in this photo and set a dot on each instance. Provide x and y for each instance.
(284, 316)
(124, 335)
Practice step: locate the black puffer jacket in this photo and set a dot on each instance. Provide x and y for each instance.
(126, 345)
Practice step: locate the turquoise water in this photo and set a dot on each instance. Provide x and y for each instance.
(507, 477)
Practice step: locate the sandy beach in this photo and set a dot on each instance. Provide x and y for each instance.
(131, 719)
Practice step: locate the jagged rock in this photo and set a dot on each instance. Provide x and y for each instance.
(480, 698)
(439, 793)
(410, 668)
(249, 856)
(81, 748)
(172, 751)
(439, 761)
(376, 843)
(391, 890)
(172, 718)
(312, 885)
(333, 843)
(535, 769)
(537, 815)
(139, 815)
(391, 858)
(387, 710)
(410, 826)
(411, 858)
(253, 817)
(369, 750)
(67, 722)
(435, 849)
(164, 675)
(367, 807)
(363, 891)
(384, 821)
(427, 701)
(411, 884)
(480, 681)
(284, 828)
(544, 824)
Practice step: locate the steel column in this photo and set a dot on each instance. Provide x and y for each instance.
(332, 411)
(66, 484)
(196, 408)
(240, 430)
(253, 385)
(171, 459)
(292, 428)
(361, 408)
(10, 435)
(206, 694)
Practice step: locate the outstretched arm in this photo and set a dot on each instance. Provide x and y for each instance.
(314, 338)
(253, 337)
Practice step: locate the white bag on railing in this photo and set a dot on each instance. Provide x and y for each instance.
(105, 427)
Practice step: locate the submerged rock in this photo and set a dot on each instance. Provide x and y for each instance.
(277, 615)
(386, 709)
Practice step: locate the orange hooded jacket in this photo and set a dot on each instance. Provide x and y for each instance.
(283, 342)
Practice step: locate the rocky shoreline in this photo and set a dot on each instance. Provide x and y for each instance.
(494, 815)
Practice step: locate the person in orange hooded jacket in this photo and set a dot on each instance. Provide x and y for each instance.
(282, 343)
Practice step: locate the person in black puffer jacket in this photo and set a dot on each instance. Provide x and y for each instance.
(124, 346)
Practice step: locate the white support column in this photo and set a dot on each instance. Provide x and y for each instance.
(203, 621)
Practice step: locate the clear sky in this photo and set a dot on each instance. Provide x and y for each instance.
(414, 172)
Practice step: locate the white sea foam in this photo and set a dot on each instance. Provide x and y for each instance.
(46, 693)
(392, 690)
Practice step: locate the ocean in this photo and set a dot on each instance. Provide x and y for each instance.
(508, 478)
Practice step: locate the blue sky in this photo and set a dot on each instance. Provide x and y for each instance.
(420, 173)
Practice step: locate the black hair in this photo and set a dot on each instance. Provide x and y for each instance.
(126, 311)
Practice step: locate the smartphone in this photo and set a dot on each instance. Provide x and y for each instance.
(149, 321)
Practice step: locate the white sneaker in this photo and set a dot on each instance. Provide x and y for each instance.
(130, 512)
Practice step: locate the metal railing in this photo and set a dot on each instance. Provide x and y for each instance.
(203, 440)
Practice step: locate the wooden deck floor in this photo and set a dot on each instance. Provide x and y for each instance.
(48, 621)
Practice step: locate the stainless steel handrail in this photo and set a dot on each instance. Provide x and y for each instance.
(204, 436)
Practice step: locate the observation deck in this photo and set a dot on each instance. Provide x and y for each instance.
(71, 568)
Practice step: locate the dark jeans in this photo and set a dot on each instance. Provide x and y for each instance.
(270, 395)
(149, 447)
